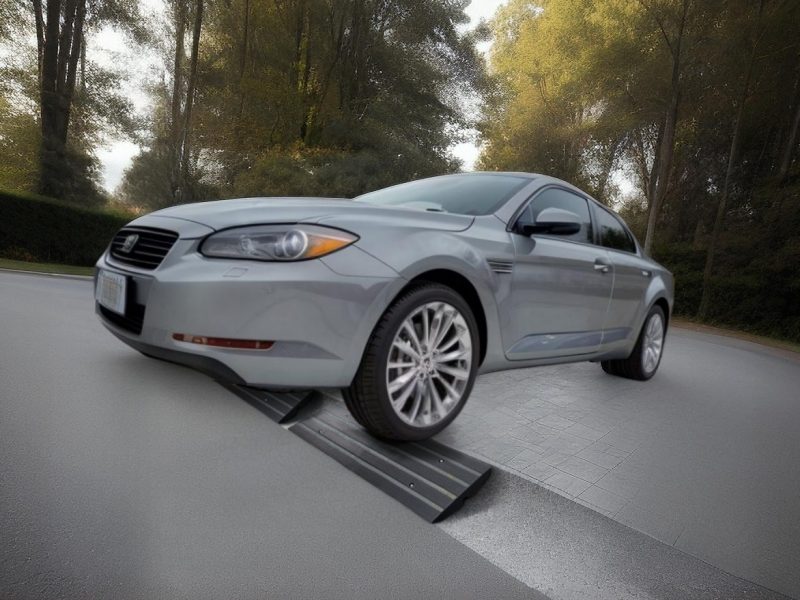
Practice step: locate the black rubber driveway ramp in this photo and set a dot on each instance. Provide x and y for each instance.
(431, 479)
(281, 407)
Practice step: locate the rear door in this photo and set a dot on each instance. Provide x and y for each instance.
(561, 285)
(631, 277)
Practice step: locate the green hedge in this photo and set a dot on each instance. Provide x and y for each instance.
(760, 295)
(43, 230)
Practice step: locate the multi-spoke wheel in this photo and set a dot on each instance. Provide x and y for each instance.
(643, 362)
(419, 367)
(652, 343)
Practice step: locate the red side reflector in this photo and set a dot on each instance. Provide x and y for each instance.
(223, 342)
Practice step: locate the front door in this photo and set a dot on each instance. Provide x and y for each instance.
(561, 286)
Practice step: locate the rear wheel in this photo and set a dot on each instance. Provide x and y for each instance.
(419, 366)
(643, 362)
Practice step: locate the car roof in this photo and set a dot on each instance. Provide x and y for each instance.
(541, 179)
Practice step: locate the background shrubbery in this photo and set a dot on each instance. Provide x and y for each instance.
(38, 229)
(755, 285)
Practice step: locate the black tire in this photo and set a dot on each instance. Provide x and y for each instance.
(367, 398)
(632, 367)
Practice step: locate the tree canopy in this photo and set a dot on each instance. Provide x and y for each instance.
(696, 104)
(55, 103)
(308, 97)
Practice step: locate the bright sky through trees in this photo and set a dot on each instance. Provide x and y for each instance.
(116, 154)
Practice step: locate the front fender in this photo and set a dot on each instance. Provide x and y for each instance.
(423, 252)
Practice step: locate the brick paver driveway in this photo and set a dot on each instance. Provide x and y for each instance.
(703, 457)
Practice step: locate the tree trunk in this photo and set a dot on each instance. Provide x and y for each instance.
(243, 56)
(705, 300)
(308, 108)
(791, 142)
(666, 149)
(37, 12)
(49, 98)
(653, 173)
(59, 46)
(610, 160)
(72, 66)
(192, 84)
(83, 65)
(177, 92)
(299, 28)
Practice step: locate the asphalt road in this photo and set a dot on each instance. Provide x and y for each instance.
(704, 457)
(125, 477)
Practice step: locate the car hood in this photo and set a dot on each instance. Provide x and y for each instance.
(223, 214)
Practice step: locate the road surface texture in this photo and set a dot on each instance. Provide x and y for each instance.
(703, 457)
(125, 477)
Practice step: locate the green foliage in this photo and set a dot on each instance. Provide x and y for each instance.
(322, 172)
(19, 143)
(74, 175)
(50, 145)
(147, 179)
(757, 284)
(582, 89)
(38, 229)
(330, 97)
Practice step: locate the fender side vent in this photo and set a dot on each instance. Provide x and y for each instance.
(427, 477)
(499, 265)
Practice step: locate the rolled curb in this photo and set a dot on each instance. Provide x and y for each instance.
(44, 274)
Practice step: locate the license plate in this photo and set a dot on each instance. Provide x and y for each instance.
(111, 291)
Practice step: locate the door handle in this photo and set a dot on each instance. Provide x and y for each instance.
(646, 273)
(599, 265)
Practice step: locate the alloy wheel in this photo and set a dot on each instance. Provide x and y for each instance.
(653, 343)
(429, 364)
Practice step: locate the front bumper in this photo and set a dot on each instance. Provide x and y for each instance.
(319, 318)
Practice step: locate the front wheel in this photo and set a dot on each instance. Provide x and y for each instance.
(419, 366)
(643, 362)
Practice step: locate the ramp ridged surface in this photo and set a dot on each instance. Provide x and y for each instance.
(427, 477)
(278, 406)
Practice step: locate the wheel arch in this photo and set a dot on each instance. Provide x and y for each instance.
(461, 284)
(662, 303)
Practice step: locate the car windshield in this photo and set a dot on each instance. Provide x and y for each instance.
(467, 194)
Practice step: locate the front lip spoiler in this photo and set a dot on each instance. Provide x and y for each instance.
(205, 364)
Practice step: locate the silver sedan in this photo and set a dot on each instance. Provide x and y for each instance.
(400, 297)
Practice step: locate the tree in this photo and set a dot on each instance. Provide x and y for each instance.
(59, 37)
(51, 82)
(738, 124)
(698, 104)
(661, 170)
(288, 91)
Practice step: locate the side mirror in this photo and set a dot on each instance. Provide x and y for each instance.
(554, 221)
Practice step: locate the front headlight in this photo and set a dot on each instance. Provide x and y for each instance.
(276, 242)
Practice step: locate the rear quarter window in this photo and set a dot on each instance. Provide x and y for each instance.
(612, 233)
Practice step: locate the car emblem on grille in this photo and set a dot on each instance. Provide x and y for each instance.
(129, 243)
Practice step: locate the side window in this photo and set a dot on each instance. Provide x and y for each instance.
(612, 233)
(558, 198)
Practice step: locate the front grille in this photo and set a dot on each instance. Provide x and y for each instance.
(148, 250)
